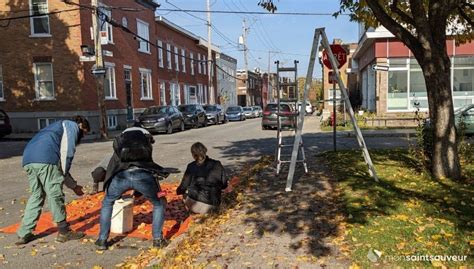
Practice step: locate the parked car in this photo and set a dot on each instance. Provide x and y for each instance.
(258, 111)
(5, 126)
(248, 112)
(215, 114)
(464, 117)
(287, 116)
(194, 115)
(308, 108)
(235, 113)
(161, 119)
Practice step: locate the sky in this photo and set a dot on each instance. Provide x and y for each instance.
(289, 37)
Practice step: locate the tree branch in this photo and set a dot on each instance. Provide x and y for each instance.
(395, 9)
(465, 16)
(394, 27)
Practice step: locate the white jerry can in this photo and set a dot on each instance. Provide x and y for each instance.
(122, 216)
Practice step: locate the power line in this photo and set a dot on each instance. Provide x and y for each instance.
(250, 12)
(39, 14)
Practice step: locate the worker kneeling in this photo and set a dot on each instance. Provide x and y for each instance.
(132, 168)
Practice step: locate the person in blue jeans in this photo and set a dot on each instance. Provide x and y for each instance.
(132, 168)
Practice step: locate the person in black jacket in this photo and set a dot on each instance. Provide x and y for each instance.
(203, 182)
(132, 168)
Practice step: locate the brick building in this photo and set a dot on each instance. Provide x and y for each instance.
(43, 78)
(182, 66)
(249, 88)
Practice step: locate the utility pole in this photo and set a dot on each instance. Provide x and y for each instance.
(270, 93)
(99, 74)
(246, 63)
(209, 55)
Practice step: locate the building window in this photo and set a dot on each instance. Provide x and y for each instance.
(204, 65)
(205, 95)
(104, 25)
(162, 93)
(199, 64)
(200, 96)
(39, 24)
(463, 80)
(109, 84)
(175, 96)
(43, 122)
(192, 95)
(176, 58)
(112, 122)
(144, 34)
(191, 55)
(145, 83)
(160, 54)
(2, 94)
(183, 60)
(168, 56)
(44, 85)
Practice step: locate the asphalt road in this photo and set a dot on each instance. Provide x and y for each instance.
(234, 143)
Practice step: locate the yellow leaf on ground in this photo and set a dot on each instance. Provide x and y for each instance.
(97, 267)
(34, 252)
(248, 231)
(401, 217)
(438, 264)
(354, 266)
(436, 237)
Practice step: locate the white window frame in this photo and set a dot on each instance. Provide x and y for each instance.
(143, 45)
(104, 25)
(112, 122)
(191, 98)
(191, 55)
(110, 79)
(175, 94)
(48, 121)
(176, 58)
(2, 93)
(162, 93)
(205, 94)
(200, 94)
(204, 65)
(37, 91)
(168, 56)
(32, 19)
(183, 60)
(147, 73)
(160, 53)
(199, 64)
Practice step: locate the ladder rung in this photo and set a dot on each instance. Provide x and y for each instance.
(298, 161)
(286, 69)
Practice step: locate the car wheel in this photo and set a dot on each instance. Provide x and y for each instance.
(169, 128)
(181, 126)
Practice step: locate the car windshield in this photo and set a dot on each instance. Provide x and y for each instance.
(210, 108)
(274, 107)
(187, 108)
(155, 110)
(233, 109)
(247, 109)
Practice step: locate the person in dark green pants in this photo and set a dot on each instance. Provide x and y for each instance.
(47, 159)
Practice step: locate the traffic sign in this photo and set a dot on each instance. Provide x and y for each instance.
(339, 53)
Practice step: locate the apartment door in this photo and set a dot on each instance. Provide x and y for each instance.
(128, 94)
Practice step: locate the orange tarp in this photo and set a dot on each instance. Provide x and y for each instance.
(83, 215)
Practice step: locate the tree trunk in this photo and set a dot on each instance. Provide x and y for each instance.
(445, 159)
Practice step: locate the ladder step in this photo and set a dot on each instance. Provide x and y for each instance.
(286, 69)
(298, 161)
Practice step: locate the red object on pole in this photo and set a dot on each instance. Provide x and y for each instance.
(339, 53)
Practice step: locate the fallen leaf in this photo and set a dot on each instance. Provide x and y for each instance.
(34, 252)
(99, 251)
(97, 267)
(248, 231)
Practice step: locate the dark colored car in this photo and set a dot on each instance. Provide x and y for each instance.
(287, 116)
(215, 114)
(194, 115)
(5, 126)
(161, 119)
(235, 113)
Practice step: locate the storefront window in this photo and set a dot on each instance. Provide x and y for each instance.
(397, 90)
